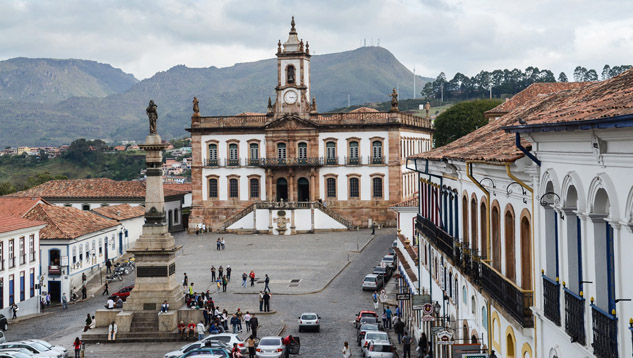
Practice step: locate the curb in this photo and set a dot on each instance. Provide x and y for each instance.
(29, 317)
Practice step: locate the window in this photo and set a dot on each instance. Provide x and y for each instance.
(74, 255)
(213, 154)
(330, 153)
(496, 236)
(11, 291)
(22, 284)
(354, 186)
(281, 150)
(1, 292)
(22, 251)
(377, 183)
(32, 283)
(81, 252)
(100, 246)
(303, 152)
(85, 207)
(233, 188)
(176, 217)
(376, 150)
(353, 153)
(113, 244)
(11, 253)
(254, 153)
(254, 188)
(213, 188)
(1, 255)
(233, 155)
(509, 243)
(331, 187)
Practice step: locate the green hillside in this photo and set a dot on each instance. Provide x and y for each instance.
(367, 74)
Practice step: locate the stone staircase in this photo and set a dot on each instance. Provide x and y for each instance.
(144, 322)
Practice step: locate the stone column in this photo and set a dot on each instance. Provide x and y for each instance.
(291, 185)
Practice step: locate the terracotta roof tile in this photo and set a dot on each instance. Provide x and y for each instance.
(533, 92)
(186, 188)
(90, 188)
(364, 109)
(17, 206)
(13, 223)
(490, 142)
(67, 222)
(120, 212)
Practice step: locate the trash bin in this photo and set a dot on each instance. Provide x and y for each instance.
(294, 346)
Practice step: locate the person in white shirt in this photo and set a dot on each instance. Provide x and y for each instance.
(247, 321)
(110, 304)
(200, 329)
(112, 330)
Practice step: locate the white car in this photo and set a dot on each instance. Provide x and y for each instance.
(22, 353)
(37, 349)
(389, 260)
(195, 345)
(270, 347)
(373, 336)
(379, 349)
(372, 282)
(60, 349)
(228, 339)
(309, 320)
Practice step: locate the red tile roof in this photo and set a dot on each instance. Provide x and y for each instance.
(534, 92)
(67, 222)
(91, 188)
(17, 206)
(490, 142)
(363, 109)
(187, 187)
(120, 212)
(13, 223)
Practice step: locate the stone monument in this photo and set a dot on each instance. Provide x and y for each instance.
(155, 250)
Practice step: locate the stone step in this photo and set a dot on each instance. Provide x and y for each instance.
(149, 336)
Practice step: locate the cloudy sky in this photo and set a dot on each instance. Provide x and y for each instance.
(143, 37)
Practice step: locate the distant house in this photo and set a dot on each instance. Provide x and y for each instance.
(20, 272)
(119, 148)
(88, 194)
(131, 219)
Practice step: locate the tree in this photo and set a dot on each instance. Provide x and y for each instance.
(591, 75)
(461, 119)
(606, 72)
(579, 73)
(562, 77)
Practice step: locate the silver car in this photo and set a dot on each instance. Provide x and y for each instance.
(195, 345)
(34, 347)
(309, 320)
(270, 347)
(379, 349)
(372, 282)
(389, 260)
(60, 349)
(373, 336)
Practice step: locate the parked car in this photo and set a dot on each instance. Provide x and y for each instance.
(389, 260)
(16, 353)
(207, 353)
(309, 321)
(123, 293)
(373, 320)
(4, 324)
(228, 339)
(60, 349)
(363, 328)
(2, 337)
(195, 345)
(385, 272)
(379, 349)
(372, 282)
(36, 348)
(362, 314)
(270, 347)
(373, 336)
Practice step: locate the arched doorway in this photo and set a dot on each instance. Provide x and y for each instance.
(282, 189)
(303, 189)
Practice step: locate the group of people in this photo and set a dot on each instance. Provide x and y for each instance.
(201, 229)
(264, 301)
(220, 244)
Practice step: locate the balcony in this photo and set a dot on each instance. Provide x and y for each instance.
(442, 240)
(377, 160)
(290, 162)
(54, 270)
(232, 162)
(575, 317)
(352, 161)
(211, 163)
(253, 162)
(605, 333)
(551, 299)
(514, 300)
(331, 161)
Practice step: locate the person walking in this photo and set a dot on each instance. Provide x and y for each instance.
(389, 314)
(228, 273)
(244, 278)
(200, 329)
(398, 328)
(218, 244)
(191, 289)
(267, 281)
(48, 299)
(185, 283)
(374, 298)
(84, 293)
(250, 344)
(254, 325)
(77, 346)
(423, 345)
(347, 352)
(223, 243)
(266, 302)
(234, 323)
(261, 301)
(406, 345)
(218, 283)
(105, 289)
(212, 273)
(252, 276)
(14, 310)
(108, 267)
(247, 321)
(64, 302)
(112, 331)
(225, 283)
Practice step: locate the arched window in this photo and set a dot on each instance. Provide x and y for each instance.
(331, 152)
(281, 150)
(331, 187)
(465, 220)
(473, 224)
(574, 239)
(233, 155)
(354, 186)
(81, 252)
(303, 151)
(290, 74)
(213, 154)
(526, 249)
(604, 252)
(353, 152)
(74, 255)
(483, 216)
(496, 238)
(376, 150)
(100, 246)
(254, 153)
(450, 284)
(213, 188)
(510, 257)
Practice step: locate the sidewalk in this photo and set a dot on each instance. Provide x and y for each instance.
(391, 301)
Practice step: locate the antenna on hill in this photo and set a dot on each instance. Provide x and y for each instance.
(378, 43)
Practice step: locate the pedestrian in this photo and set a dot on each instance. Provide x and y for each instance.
(266, 302)
(185, 283)
(223, 243)
(64, 302)
(105, 289)
(77, 346)
(286, 341)
(220, 271)
(112, 331)
(191, 289)
(14, 310)
(247, 321)
(84, 279)
(254, 325)
(267, 281)
(200, 328)
(398, 328)
(389, 314)
(239, 318)
(398, 312)
(406, 345)
(234, 323)
(423, 345)
(235, 351)
(108, 266)
(164, 307)
(48, 299)
(228, 272)
(261, 301)
(492, 354)
(384, 319)
(225, 282)
(374, 298)
(218, 244)
(244, 278)
(218, 283)
(84, 294)
(88, 322)
(204, 228)
(250, 344)
(252, 276)
(212, 273)
(373, 228)
(347, 352)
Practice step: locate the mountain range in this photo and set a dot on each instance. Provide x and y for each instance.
(52, 102)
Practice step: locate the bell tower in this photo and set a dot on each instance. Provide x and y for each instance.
(293, 74)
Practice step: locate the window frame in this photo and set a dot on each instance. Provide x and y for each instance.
(356, 177)
(250, 186)
(281, 147)
(212, 161)
(256, 145)
(217, 186)
(229, 180)
(380, 159)
(373, 178)
(327, 178)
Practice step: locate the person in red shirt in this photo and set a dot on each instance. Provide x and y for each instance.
(191, 329)
(286, 342)
(77, 346)
(181, 329)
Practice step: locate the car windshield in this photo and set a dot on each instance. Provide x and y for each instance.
(191, 347)
(369, 320)
(380, 269)
(387, 258)
(370, 279)
(309, 317)
(378, 336)
(270, 342)
(223, 339)
(38, 346)
(381, 348)
(44, 343)
(368, 314)
(369, 327)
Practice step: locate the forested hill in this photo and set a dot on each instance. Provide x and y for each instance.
(366, 74)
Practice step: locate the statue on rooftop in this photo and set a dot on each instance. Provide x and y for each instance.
(196, 109)
(152, 115)
(394, 101)
(427, 107)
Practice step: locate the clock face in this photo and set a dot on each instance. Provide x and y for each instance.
(290, 97)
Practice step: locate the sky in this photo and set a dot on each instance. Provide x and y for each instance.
(144, 37)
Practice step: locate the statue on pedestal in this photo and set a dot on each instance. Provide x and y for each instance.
(196, 109)
(152, 115)
(394, 101)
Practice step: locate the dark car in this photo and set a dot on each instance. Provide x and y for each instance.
(123, 293)
(3, 322)
(384, 272)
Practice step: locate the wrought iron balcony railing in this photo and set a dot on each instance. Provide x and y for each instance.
(232, 162)
(551, 299)
(605, 333)
(54, 270)
(291, 162)
(377, 160)
(211, 163)
(331, 161)
(575, 317)
(353, 161)
(515, 300)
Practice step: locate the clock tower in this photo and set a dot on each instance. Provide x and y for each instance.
(293, 74)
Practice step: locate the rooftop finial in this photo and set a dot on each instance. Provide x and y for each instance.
(292, 24)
